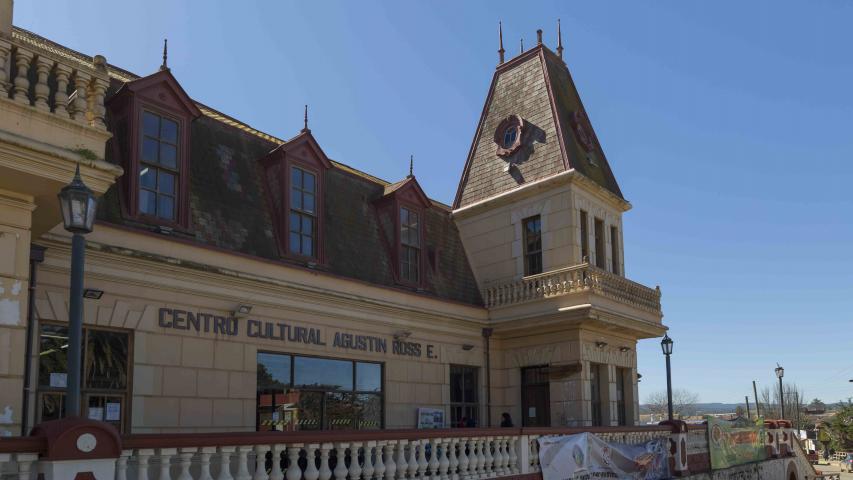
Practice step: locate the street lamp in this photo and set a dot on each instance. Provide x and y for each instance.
(666, 347)
(780, 372)
(78, 205)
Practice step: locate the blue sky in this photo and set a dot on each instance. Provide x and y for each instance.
(727, 124)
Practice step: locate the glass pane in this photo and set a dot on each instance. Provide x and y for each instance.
(404, 217)
(307, 246)
(295, 223)
(106, 360)
(150, 124)
(295, 246)
(273, 371)
(166, 207)
(308, 202)
(308, 182)
(105, 408)
(149, 150)
(340, 411)
(148, 177)
(322, 373)
(369, 410)
(169, 130)
(52, 406)
(53, 356)
(307, 225)
(167, 182)
(296, 198)
(147, 202)
(309, 410)
(168, 155)
(469, 385)
(368, 377)
(296, 178)
(455, 384)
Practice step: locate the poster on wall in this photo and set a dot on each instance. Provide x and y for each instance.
(735, 442)
(430, 418)
(586, 456)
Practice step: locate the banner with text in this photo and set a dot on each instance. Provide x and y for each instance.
(586, 456)
(735, 442)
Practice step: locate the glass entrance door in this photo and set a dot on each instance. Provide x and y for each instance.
(535, 397)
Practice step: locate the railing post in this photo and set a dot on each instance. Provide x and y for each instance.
(23, 59)
(678, 446)
(75, 446)
(5, 51)
(522, 447)
(772, 439)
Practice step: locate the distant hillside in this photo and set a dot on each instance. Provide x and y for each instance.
(702, 408)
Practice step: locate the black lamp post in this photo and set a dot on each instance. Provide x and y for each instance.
(780, 372)
(78, 214)
(666, 346)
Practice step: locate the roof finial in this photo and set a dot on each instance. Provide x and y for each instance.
(305, 120)
(559, 40)
(539, 37)
(522, 45)
(501, 36)
(411, 166)
(165, 54)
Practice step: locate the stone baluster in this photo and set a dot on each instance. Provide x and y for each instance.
(325, 472)
(473, 457)
(261, 462)
(41, 89)
(23, 59)
(311, 471)
(293, 472)
(402, 463)
(60, 98)
(498, 464)
(433, 458)
(513, 456)
(78, 98)
(390, 466)
(505, 445)
(243, 463)
(186, 459)
(379, 466)
(354, 466)
(204, 461)
(340, 461)
(25, 463)
(96, 103)
(121, 464)
(453, 459)
(142, 457)
(413, 458)
(489, 466)
(5, 51)
(462, 472)
(225, 463)
(165, 456)
(481, 456)
(443, 461)
(367, 469)
(422, 460)
(275, 471)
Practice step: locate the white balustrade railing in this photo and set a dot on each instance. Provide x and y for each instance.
(66, 88)
(576, 279)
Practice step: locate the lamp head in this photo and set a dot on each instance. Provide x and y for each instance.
(666, 345)
(780, 372)
(78, 204)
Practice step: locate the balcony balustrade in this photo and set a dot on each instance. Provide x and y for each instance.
(583, 278)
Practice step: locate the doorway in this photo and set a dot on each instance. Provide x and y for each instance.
(535, 397)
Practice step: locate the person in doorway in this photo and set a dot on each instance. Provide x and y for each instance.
(506, 420)
(470, 422)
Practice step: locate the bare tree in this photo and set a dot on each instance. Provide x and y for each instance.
(792, 398)
(683, 403)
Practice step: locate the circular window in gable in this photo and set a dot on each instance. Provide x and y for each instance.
(508, 135)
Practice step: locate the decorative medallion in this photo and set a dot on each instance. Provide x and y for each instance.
(583, 130)
(508, 135)
(86, 442)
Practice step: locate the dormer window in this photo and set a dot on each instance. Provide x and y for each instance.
(158, 166)
(410, 246)
(303, 212)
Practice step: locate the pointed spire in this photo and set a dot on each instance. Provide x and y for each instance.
(501, 36)
(539, 37)
(559, 40)
(165, 65)
(522, 45)
(305, 120)
(411, 166)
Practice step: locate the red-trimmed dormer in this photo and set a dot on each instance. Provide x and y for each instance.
(294, 175)
(150, 118)
(402, 219)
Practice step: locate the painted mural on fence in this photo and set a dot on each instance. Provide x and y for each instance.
(586, 456)
(735, 442)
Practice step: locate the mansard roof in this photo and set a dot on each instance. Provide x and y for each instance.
(537, 87)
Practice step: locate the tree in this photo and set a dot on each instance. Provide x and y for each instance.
(841, 428)
(740, 411)
(683, 403)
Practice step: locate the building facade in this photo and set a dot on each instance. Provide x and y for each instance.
(237, 281)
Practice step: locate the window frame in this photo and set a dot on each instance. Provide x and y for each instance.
(526, 253)
(614, 250)
(400, 247)
(179, 172)
(464, 404)
(583, 221)
(597, 402)
(289, 167)
(600, 243)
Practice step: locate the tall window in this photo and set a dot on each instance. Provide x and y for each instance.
(464, 407)
(303, 213)
(410, 245)
(310, 393)
(532, 245)
(621, 412)
(535, 397)
(158, 167)
(600, 260)
(584, 221)
(596, 371)
(614, 249)
(105, 376)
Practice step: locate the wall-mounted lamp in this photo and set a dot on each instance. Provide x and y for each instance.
(624, 349)
(242, 310)
(93, 294)
(402, 334)
(600, 344)
(467, 347)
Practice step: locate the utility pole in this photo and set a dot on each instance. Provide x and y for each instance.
(755, 392)
(748, 415)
